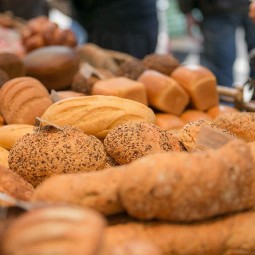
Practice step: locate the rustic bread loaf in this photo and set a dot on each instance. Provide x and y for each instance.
(240, 123)
(97, 190)
(13, 185)
(38, 156)
(9, 134)
(164, 93)
(97, 115)
(58, 230)
(230, 235)
(188, 187)
(121, 87)
(22, 99)
(200, 83)
(130, 141)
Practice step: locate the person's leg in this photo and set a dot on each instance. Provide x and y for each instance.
(219, 46)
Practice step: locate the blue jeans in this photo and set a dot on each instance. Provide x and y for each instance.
(219, 33)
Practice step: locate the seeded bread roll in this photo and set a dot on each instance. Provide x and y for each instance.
(22, 99)
(97, 115)
(57, 230)
(130, 141)
(164, 93)
(189, 134)
(97, 190)
(242, 124)
(185, 187)
(13, 185)
(9, 134)
(227, 235)
(200, 83)
(38, 156)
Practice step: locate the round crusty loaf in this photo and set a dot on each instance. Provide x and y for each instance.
(9, 134)
(130, 141)
(13, 185)
(240, 123)
(48, 152)
(22, 99)
(58, 230)
(97, 115)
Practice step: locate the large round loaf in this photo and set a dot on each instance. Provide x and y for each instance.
(22, 99)
(97, 115)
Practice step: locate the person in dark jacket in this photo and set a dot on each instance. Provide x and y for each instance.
(221, 18)
(122, 25)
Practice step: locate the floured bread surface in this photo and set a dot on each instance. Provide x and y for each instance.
(97, 115)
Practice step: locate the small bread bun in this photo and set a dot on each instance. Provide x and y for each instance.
(22, 99)
(13, 185)
(54, 66)
(130, 141)
(37, 156)
(58, 230)
(168, 121)
(220, 109)
(194, 115)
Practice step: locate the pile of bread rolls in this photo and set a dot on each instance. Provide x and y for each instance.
(138, 158)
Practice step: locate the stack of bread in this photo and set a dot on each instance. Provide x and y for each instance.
(138, 159)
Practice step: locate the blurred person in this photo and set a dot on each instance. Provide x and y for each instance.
(26, 9)
(221, 18)
(123, 25)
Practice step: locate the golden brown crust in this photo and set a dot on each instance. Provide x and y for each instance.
(188, 187)
(194, 115)
(40, 155)
(164, 93)
(14, 185)
(228, 235)
(220, 109)
(97, 190)
(57, 230)
(200, 83)
(168, 121)
(97, 115)
(189, 134)
(130, 141)
(242, 124)
(22, 99)
(4, 157)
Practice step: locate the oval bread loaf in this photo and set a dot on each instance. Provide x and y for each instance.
(97, 115)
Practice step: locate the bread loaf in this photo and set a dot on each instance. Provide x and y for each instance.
(57, 230)
(194, 115)
(13, 185)
(164, 93)
(188, 187)
(200, 83)
(97, 115)
(9, 134)
(38, 156)
(22, 99)
(230, 235)
(240, 123)
(168, 121)
(97, 190)
(121, 87)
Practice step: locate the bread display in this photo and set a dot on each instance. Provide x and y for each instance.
(54, 66)
(121, 87)
(22, 99)
(220, 109)
(57, 230)
(168, 121)
(182, 188)
(97, 115)
(97, 190)
(9, 134)
(163, 63)
(48, 152)
(240, 123)
(164, 93)
(194, 115)
(13, 185)
(189, 134)
(130, 141)
(200, 83)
